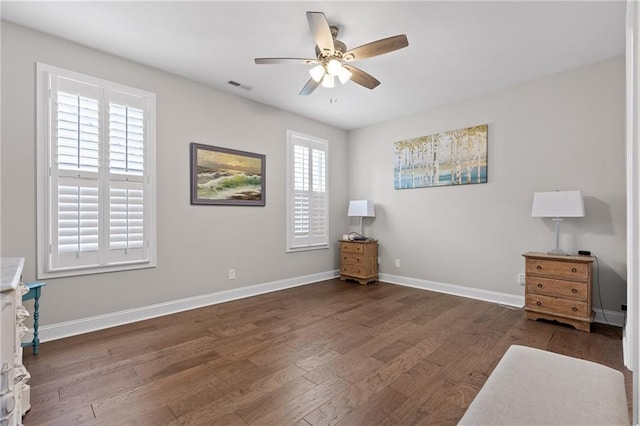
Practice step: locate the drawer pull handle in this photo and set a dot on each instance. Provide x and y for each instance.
(539, 285)
(538, 267)
(539, 303)
(574, 309)
(574, 291)
(574, 270)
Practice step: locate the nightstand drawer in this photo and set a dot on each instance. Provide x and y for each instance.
(355, 270)
(353, 259)
(554, 269)
(575, 290)
(557, 306)
(351, 248)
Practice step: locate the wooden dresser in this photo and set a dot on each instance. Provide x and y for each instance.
(14, 390)
(559, 288)
(359, 261)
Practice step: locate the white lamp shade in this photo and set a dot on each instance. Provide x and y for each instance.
(333, 67)
(361, 208)
(558, 204)
(317, 73)
(344, 75)
(327, 81)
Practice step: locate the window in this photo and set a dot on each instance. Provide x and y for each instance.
(307, 192)
(96, 175)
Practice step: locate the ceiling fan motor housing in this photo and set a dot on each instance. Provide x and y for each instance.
(339, 48)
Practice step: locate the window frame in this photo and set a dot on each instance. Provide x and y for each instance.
(48, 176)
(323, 145)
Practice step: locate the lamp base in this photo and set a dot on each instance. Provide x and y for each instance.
(558, 252)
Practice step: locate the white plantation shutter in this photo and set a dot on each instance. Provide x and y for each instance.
(301, 199)
(74, 173)
(126, 175)
(318, 206)
(308, 198)
(126, 218)
(126, 135)
(95, 163)
(77, 128)
(77, 216)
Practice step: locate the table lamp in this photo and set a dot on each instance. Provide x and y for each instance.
(362, 209)
(557, 205)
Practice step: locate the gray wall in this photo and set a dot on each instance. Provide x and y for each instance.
(562, 132)
(196, 244)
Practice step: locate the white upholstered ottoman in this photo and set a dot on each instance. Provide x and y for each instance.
(535, 387)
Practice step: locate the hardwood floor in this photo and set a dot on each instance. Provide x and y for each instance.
(327, 353)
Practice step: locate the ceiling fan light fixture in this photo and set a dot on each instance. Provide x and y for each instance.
(327, 81)
(344, 75)
(317, 73)
(333, 67)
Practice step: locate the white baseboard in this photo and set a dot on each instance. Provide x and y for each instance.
(456, 290)
(99, 322)
(612, 317)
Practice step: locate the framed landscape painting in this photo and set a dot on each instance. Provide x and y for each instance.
(458, 157)
(226, 176)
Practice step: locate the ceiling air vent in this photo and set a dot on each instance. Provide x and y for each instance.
(239, 85)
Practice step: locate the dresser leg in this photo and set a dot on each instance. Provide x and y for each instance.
(36, 316)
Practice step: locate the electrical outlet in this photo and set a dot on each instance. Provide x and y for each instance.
(521, 279)
(232, 274)
(397, 263)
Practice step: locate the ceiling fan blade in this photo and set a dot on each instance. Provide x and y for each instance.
(376, 48)
(321, 31)
(362, 78)
(302, 61)
(309, 87)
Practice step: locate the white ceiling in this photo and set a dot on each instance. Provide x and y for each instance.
(456, 49)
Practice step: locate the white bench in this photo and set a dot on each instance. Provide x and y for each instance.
(535, 387)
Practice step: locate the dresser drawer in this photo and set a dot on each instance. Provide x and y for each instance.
(557, 306)
(575, 290)
(555, 269)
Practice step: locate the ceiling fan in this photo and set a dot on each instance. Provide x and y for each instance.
(332, 57)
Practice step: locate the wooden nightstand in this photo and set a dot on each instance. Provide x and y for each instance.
(359, 260)
(559, 288)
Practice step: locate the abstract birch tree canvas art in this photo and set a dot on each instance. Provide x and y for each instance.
(457, 157)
